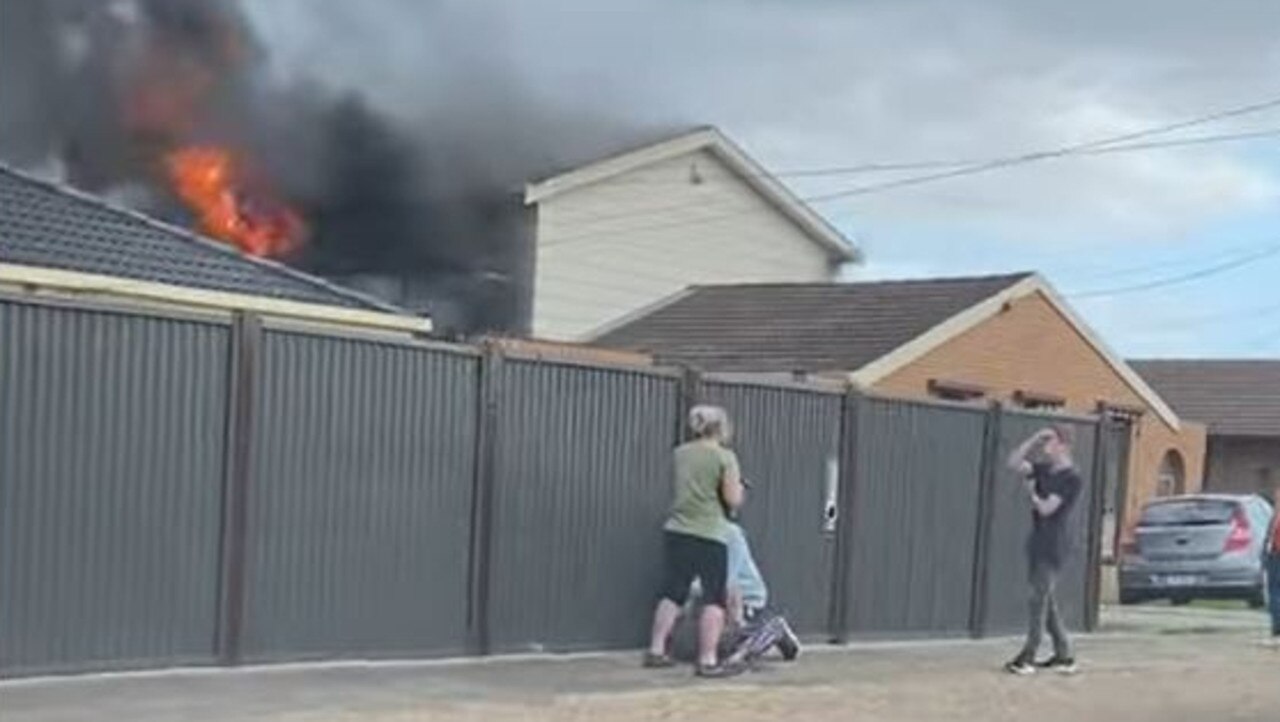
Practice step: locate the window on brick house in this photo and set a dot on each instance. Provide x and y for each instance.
(1038, 400)
(1171, 477)
(1120, 412)
(955, 390)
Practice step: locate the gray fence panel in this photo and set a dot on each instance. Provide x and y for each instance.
(112, 434)
(1075, 576)
(1011, 523)
(1114, 485)
(582, 484)
(916, 515)
(360, 499)
(785, 440)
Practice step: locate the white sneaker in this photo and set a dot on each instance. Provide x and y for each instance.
(1020, 667)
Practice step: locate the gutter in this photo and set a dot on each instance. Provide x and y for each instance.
(75, 282)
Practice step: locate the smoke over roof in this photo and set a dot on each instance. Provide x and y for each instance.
(405, 170)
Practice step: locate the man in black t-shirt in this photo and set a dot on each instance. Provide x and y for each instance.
(1053, 484)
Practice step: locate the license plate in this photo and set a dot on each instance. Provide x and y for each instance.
(1178, 580)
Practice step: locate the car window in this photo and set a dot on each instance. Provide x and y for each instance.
(1188, 512)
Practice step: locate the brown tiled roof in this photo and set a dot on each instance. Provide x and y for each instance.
(1234, 398)
(799, 327)
(53, 226)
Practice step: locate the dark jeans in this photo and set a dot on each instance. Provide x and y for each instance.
(1042, 613)
(1273, 591)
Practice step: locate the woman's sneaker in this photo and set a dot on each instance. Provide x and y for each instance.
(657, 661)
(723, 670)
(1061, 665)
(1020, 667)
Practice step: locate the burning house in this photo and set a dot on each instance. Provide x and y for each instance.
(174, 108)
(169, 107)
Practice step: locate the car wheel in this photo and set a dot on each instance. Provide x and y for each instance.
(1180, 601)
(1127, 597)
(1258, 599)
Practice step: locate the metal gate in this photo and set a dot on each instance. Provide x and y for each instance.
(915, 502)
(1007, 570)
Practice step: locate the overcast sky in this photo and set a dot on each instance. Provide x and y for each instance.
(819, 84)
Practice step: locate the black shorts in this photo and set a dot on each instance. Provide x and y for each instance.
(689, 557)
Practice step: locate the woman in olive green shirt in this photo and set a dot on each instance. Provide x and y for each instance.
(707, 480)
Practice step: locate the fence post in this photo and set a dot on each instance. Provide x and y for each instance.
(690, 393)
(841, 595)
(482, 500)
(1097, 505)
(246, 338)
(988, 476)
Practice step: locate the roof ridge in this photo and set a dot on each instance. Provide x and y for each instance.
(631, 147)
(199, 240)
(781, 198)
(924, 280)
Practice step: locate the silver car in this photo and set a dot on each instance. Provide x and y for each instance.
(1202, 546)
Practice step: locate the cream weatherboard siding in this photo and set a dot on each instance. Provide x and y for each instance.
(611, 248)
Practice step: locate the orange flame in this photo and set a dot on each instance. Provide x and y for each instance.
(212, 182)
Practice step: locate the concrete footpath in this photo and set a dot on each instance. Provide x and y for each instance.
(1147, 664)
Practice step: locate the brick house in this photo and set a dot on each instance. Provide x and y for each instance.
(1008, 338)
(1239, 401)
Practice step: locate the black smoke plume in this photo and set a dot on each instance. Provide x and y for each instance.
(423, 208)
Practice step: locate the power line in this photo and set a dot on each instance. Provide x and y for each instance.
(741, 209)
(1091, 148)
(747, 210)
(1111, 144)
(1205, 272)
(891, 167)
(1107, 272)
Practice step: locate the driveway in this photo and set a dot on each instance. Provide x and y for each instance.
(1148, 664)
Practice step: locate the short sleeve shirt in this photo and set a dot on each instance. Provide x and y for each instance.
(699, 467)
(1050, 540)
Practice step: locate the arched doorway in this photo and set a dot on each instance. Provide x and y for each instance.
(1171, 479)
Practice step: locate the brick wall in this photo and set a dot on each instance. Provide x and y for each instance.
(1029, 346)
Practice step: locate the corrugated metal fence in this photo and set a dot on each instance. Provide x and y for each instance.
(111, 471)
(916, 514)
(198, 490)
(359, 498)
(1006, 595)
(789, 443)
(579, 488)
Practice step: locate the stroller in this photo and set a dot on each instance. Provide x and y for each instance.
(760, 629)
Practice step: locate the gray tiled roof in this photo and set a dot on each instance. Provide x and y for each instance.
(800, 327)
(1233, 397)
(52, 226)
